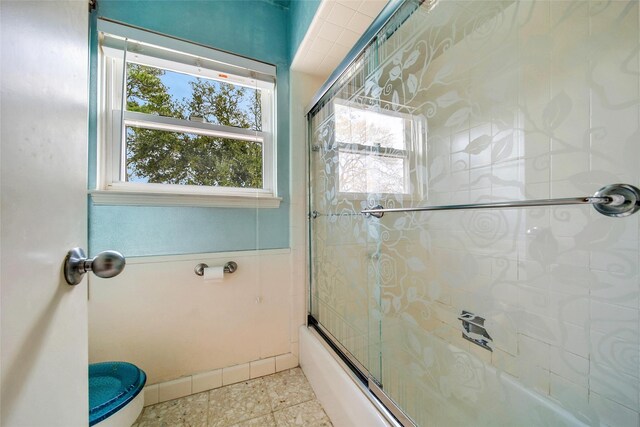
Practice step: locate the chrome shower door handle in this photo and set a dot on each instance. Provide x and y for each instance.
(106, 264)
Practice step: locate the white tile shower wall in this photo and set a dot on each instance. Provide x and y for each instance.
(160, 316)
(556, 307)
(544, 108)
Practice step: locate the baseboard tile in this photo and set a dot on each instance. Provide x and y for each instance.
(203, 381)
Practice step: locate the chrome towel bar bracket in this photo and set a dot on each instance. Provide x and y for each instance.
(615, 200)
(229, 267)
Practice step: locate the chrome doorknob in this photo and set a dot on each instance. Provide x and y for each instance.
(106, 264)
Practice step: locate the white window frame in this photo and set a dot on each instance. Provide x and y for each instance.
(120, 44)
(413, 190)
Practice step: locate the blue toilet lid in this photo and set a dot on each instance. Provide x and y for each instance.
(111, 386)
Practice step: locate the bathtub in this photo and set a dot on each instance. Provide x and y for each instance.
(497, 399)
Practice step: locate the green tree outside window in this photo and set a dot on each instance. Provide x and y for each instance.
(157, 156)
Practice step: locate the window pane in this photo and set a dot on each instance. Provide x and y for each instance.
(161, 157)
(366, 173)
(168, 93)
(368, 127)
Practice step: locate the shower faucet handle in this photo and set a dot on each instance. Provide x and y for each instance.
(106, 264)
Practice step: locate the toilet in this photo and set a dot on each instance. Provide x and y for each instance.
(115, 398)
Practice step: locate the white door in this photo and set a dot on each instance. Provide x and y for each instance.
(43, 121)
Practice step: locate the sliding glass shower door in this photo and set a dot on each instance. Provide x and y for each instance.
(343, 292)
(484, 317)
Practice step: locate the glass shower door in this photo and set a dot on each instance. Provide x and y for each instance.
(343, 243)
(526, 316)
(494, 317)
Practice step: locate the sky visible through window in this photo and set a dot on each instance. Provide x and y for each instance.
(178, 84)
(179, 87)
(183, 96)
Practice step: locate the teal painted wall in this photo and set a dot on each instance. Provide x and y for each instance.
(259, 29)
(252, 28)
(301, 14)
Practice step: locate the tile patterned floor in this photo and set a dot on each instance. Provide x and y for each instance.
(284, 399)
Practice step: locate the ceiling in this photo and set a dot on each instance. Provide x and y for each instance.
(336, 27)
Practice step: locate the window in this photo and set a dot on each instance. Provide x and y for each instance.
(376, 149)
(183, 124)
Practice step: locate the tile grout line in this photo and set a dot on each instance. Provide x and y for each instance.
(208, 405)
(273, 412)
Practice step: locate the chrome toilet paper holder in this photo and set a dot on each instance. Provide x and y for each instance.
(229, 267)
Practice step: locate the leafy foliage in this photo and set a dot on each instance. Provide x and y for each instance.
(157, 156)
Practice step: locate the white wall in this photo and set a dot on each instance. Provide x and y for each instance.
(160, 316)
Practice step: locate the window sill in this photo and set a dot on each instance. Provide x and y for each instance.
(148, 198)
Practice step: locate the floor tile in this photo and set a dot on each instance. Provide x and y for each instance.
(279, 400)
(288, 388)
(308, 414)
(237, 403)
(190, 411)
(265, 421)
